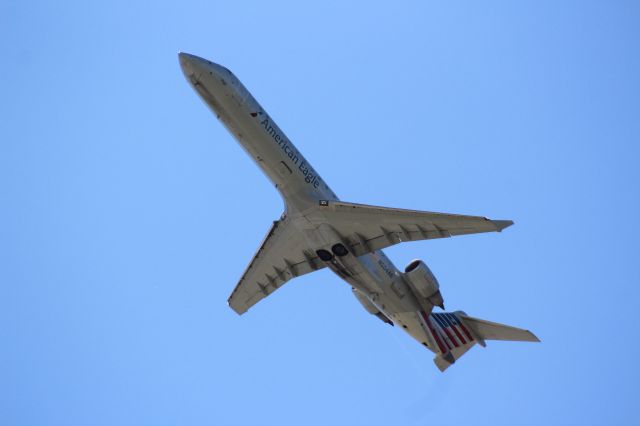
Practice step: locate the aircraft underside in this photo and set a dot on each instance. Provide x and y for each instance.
(317, 230)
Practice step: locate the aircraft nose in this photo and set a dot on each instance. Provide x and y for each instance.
(191, 64)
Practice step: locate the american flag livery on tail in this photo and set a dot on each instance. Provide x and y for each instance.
(454, 333)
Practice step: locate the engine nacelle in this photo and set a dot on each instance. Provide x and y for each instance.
(423, 283)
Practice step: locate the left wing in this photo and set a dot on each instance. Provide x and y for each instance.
(282, 255)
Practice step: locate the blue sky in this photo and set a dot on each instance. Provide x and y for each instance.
(127, 213)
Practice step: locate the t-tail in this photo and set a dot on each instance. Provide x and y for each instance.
(452, 334)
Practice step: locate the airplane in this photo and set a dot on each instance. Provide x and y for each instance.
(318, 231)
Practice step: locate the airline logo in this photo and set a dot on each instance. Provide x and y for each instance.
(310, 176)
(447, 330)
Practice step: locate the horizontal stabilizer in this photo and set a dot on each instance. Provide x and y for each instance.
(487, 330)
(454, 333)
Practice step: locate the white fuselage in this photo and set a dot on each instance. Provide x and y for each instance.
(302, 189)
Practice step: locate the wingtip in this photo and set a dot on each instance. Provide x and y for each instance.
(502, 224)
(236, 309)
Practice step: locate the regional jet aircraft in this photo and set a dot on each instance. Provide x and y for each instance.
(318, 231)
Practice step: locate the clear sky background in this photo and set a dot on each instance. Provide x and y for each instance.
(128, 213)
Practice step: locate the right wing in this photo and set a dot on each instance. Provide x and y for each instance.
(282, 255)
(369, 228)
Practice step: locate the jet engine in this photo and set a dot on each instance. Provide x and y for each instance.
(423, 283)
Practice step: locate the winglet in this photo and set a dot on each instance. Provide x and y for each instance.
(501, 224)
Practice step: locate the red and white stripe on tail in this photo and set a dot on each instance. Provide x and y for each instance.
(454, 333)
